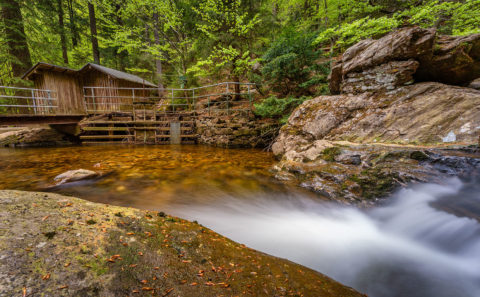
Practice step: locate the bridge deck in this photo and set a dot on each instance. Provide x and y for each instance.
(26, 119)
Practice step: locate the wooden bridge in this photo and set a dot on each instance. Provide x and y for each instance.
(126, 114)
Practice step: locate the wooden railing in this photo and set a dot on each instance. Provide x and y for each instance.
(224, 97)
(27, 101)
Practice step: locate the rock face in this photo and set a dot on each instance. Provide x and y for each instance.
(75, 175)
(446, 59)
(423, 113)
(328, 142)
(33, 137)
(240, 130)
(53, 245)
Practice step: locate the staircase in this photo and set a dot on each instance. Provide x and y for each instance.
(143, 126)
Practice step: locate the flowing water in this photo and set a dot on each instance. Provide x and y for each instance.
(425, 241)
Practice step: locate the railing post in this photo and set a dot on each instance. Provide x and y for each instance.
(228, 105)
(193, 100)
(209, 105)
(173, 106)
(133, 100)
(250, 99)
(93, 99)
(33, 100)
(49, 99)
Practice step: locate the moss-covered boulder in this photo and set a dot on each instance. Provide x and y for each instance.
(53, 245)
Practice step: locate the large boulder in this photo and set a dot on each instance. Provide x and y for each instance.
(385, 77)
(423, 113)
(447, 59)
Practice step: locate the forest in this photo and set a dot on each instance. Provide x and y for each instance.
(284, 46)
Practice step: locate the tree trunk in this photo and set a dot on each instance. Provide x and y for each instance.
(122, 55)
(93, 31)
(73, 26)
(158, 61)
(63, 39)
(15, 36)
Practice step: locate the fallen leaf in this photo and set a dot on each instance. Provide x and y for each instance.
(147, 289)
(24, 290)
(46, 276)
(140, 253)
(132, 265)
(144, 281)
(67, 264)
(135, 291)
(210, 284)
(45, 217)
(62, 287)
(193, 284)
(130, 233)
(156, 268)
(167, 292)
(187, 261)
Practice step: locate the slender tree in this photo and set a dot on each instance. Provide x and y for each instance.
(93, 32)
(72, 23)
(15, 37)
(158, 61)
(63, 39)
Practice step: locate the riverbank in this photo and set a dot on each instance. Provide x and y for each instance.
(63, 246)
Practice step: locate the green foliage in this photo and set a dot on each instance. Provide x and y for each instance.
(351, 33)
(450, 17)
(290, 64)
(226, 29)
(219, 40)
(278, 108)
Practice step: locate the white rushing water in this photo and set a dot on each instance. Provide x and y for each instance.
(405, 248)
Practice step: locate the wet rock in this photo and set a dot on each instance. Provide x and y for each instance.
(75, 175)
(475, 84)
(33, 137)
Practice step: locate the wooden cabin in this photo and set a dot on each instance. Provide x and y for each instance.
(92, 89)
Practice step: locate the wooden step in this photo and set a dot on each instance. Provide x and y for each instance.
(106, 128)
(105, 136)
(134, 122)
(162, 128)
(181, 136)
(102, 142)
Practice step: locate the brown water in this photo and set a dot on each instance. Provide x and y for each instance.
(143, 177)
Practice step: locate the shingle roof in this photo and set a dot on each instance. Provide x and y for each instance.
(43, 65)
(112, 72)
(118, 74)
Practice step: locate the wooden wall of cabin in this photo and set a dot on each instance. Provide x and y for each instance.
(67, 90)
(105, 95)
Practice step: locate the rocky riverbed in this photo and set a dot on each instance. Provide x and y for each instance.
(53, 245)
(400, 102)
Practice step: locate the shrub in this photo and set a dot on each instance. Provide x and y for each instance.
(278, 108)
(290, 64)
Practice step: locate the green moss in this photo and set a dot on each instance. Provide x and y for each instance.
(330, 153)
(419, 156)
(91, 222)
(50, 235)
(374, 183)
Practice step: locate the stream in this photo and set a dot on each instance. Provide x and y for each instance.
(424, 241)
